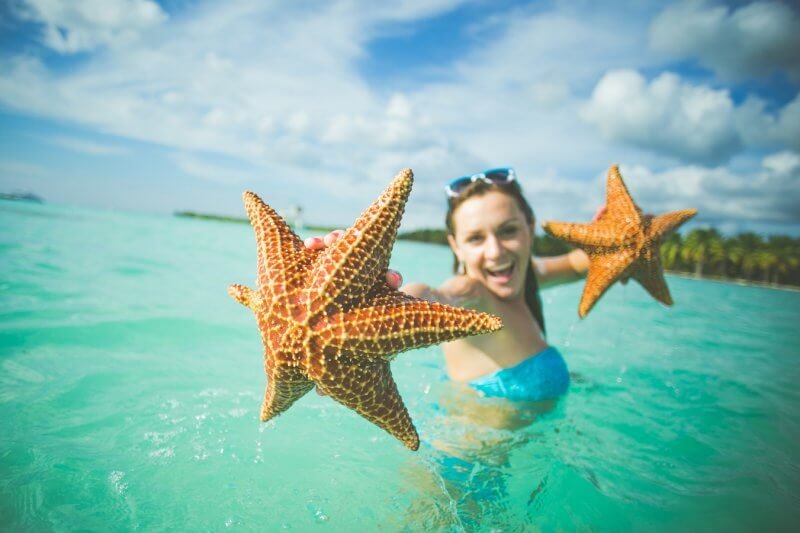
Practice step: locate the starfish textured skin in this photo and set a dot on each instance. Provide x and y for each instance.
(328, 318)
(622, 244)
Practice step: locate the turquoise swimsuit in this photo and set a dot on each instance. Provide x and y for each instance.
(538, 377)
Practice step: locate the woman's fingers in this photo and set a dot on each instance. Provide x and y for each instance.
(394, 279)
(320, 243)
(600, 212)
(314, 243)
(332, 237)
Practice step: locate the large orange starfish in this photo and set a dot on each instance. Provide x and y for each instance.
(328, 318)
(622, 244)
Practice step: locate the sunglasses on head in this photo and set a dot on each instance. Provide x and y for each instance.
(501, 176)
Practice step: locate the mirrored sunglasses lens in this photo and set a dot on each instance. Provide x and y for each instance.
(459, 184)
(499, 176)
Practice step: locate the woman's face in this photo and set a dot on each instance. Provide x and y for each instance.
(493, 240)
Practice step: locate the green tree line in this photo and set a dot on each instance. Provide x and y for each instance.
(703, 252)
(747, 256)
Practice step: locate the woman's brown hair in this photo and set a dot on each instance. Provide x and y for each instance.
(479, 188)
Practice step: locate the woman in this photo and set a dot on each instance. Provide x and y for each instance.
(490, 229)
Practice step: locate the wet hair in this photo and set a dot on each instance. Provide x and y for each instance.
(479, 188)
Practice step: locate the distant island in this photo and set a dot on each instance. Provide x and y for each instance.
(205, 216)
(21, 197)
(243, 220)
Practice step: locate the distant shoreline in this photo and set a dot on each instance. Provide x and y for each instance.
(22, 197)
(239, 220)
(218, 218)
(734, 281)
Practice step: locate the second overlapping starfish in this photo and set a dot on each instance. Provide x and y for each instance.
(622, 244)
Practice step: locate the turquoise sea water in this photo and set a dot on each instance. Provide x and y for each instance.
(130, 387)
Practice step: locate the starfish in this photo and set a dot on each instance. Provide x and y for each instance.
(328, 318)
(622, 244)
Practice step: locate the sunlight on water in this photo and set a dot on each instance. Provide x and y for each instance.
(130, 388)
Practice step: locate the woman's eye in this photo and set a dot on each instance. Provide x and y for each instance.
(474, 239)
(508, 231)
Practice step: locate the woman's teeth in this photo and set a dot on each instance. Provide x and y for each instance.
(502, 273)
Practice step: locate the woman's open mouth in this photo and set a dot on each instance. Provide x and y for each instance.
(500, 273)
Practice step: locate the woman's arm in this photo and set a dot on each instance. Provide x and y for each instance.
(565, 268)
(560, 269)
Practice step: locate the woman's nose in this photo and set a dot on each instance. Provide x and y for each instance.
(493, 247)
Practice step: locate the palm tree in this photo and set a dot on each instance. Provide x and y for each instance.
(742, 253)
(766, 259)
(703, 246)
(671, 251)
(787, 255)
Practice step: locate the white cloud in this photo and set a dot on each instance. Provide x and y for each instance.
(79, 26)
(752, 40)
(198, 167)
(783, 163)
(86, 146)
(692, 123)
(667, 115)
(759, 127)
(770, 193)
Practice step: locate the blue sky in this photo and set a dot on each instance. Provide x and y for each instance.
(164, 106)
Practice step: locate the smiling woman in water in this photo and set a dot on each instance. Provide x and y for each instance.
(490, 229)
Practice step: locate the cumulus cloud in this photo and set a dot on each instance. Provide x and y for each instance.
(692, 123)
(200, 168)
(770, 193)
(79, 26)
(751, 40)
(760, 127)
(667, 115)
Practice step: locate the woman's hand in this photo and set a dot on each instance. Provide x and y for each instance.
(599, 213)
(393, 278)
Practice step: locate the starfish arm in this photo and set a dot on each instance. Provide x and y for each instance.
(382, 331)
(663, 225)
(619, 204)
(359, 259)
(650, 275)
(285, 385)
(371, 391)
(595, 236)
(604, 270)
(244, 295)
(282, 256)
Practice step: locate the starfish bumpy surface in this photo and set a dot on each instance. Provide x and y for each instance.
(328, 318)
(622, 244)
